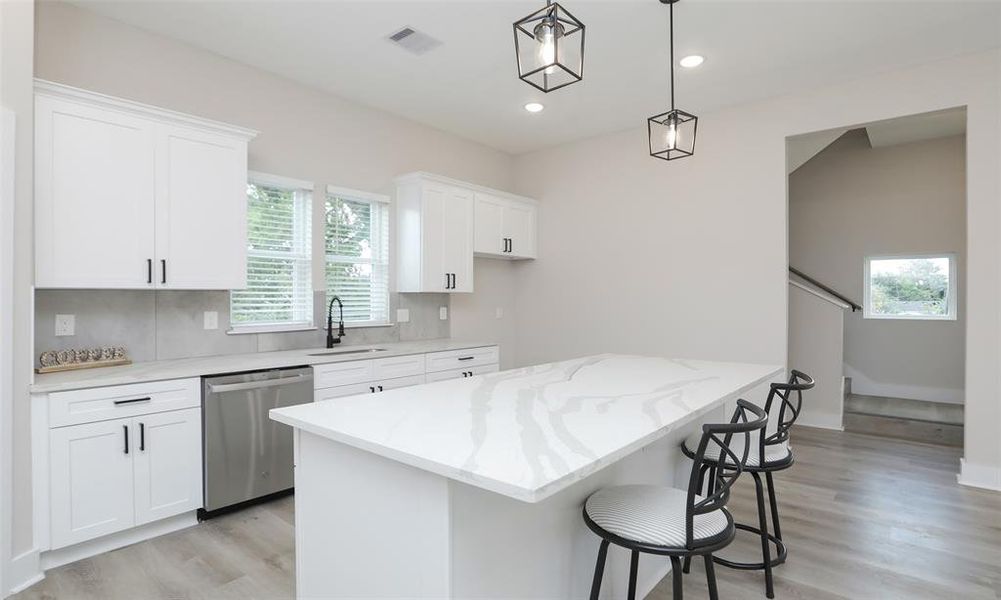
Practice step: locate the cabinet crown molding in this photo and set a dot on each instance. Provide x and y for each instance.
(59, 90)
(418, 176)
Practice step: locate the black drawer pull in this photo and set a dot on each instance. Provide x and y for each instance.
(149, 270)
(380, 388)
(466, 357)
(126, 428)
(142, 437)
(371, 389)
(132, 401)
(163, 270)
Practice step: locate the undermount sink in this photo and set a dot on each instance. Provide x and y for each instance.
(346, 351)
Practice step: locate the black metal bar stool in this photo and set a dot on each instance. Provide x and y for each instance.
(772, 453)
(673, 522)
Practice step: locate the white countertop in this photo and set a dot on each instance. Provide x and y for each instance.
(182, 368)
(529, 433)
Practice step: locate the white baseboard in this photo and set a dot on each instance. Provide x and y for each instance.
(25, 572)
(864, 386)
(62, 556)
(985, 477)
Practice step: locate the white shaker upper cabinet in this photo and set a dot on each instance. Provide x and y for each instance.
(132, 196)
(201, 206)
(505, 226)
(94, 187)
(435, 235)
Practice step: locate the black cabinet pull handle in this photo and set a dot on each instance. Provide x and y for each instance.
(126, 429)
(149, 270)
(380, 388)
(466, 357)
(448, 281)
(142, 437)
(463, 373)
(371, 389)
(163, 270)
(453, 281)
(132, 401)
(510, 245)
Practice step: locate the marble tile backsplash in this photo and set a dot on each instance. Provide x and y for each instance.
(166, 324)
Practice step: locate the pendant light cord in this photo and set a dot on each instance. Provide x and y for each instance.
(671, 20)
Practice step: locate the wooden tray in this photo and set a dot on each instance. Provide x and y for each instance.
(84, 365)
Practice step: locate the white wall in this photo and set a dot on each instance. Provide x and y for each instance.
(304, 133)
(853, 201)
(16, 94)
(689, 257)
(816, 347)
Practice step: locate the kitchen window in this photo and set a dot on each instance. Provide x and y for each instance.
(279, 293)
(356, 247)
(910, 287)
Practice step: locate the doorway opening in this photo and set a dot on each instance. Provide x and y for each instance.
(877, 257)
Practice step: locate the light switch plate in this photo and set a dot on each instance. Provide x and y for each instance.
(65, 325)
(211, 319)
(443, 313)
(402, 315)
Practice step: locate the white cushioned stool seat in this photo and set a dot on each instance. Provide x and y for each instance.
(651, 514)
(775, 453)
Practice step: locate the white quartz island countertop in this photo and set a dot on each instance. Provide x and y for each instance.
(183, 368)
(529, 433)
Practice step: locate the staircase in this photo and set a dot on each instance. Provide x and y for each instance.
(917, 420)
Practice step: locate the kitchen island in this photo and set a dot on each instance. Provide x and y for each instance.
(472, 488)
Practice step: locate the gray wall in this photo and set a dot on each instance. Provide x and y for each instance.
(851, 201)
(161, 325)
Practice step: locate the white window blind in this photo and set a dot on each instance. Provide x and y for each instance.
(279, 292)
(357, 255)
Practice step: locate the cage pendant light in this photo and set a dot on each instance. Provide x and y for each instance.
(672, 134)
(549, 46)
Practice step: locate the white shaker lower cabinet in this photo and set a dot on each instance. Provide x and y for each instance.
(338, 380)
(129, 196)
(92, 491)
(113, 474)
(168, 464)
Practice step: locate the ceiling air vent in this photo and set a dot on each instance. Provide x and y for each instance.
(413, 41)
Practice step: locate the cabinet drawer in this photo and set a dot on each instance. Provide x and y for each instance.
(398, 366)
(345, 373)
(461, 359)
(368, 387)
(102, 404)
(457, 373)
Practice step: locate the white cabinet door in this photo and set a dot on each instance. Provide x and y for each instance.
(201, 210)
(168, 464)
(458, 239)
(489, 224)
(434, 205)
(519, 228)
(94, 187)
(399, 382)
(91, 485)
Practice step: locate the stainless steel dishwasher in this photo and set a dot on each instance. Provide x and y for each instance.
(246, 455)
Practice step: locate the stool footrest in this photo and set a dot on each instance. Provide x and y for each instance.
(780, 554)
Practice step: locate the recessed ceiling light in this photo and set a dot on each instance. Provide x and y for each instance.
(534, 107)
(692, 61)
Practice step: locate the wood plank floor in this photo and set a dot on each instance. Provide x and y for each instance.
(864, 517)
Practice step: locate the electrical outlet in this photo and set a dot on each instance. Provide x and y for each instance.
(65, 325)
(443, 313)
(403, 315)
(211, 319)
(499, 313)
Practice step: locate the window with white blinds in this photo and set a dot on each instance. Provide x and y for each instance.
(357, 254)
(279, 294)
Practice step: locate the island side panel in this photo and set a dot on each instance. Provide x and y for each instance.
(506, 548)
(366, 526)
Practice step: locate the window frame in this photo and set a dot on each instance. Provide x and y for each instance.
(287, 183)
(371, 198)
(952, 306)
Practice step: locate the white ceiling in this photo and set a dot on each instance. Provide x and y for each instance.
(468, 86)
